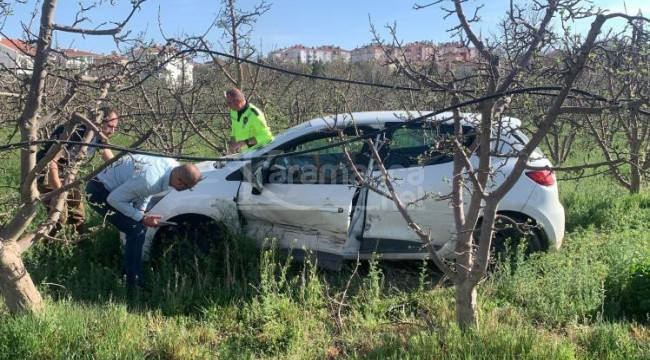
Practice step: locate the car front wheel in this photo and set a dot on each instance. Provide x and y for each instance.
(193, 237)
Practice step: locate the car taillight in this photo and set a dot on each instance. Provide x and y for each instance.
(542, 177)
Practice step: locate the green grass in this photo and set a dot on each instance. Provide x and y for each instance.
(559, 305)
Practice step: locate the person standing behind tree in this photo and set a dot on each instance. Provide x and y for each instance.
(248, 126)
(73, 210)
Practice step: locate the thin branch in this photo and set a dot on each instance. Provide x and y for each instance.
(114, 31)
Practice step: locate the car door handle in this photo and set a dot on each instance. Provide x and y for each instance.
(331, 209)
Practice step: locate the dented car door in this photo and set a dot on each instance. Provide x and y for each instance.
(306, 200)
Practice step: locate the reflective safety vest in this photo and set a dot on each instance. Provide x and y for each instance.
(250, 123)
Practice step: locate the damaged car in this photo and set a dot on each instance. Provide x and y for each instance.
(301, 189)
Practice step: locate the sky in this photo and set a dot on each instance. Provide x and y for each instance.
(344, 23)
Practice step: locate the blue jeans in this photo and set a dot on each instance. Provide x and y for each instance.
(134, 231)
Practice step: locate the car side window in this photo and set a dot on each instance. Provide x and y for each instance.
(320, 166)
(422, 144)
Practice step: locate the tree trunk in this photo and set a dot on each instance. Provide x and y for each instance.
(16, 285)
(636, 165)
(466, 308)
(635, 176)
(235, 42)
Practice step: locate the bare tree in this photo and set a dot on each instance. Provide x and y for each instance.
(38, 110)
(503, 64)
(237, 25)
(620, 128)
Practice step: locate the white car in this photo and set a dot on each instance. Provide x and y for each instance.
(306, 200)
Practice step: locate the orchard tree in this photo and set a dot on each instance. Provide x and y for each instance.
(620, 128)
(237, 25)
(504, 63)
(53, 94)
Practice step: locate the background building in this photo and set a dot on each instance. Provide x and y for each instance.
(16, 56)
(454, 52)
(300, 54)
(175, 70)
(368, 53)
(419, 52)
(76, 60)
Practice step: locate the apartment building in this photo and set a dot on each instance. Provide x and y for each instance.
(76, 60)
(453, 52)
(174, 69)
(419, 52)
(301, 54)
(368, 53)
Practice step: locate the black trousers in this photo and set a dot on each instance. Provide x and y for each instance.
(134, 231)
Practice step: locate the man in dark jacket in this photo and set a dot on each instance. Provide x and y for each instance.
(73, 211)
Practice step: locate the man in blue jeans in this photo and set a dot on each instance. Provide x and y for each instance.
(121, 193)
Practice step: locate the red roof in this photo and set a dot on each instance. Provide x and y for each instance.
(76, 53)
(154, 49)
(112, 57)
(18, 46)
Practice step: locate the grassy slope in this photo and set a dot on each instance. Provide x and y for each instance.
(247, 303)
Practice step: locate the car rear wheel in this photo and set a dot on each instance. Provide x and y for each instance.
(515, 235)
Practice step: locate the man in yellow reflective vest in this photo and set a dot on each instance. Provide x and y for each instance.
(248, 125)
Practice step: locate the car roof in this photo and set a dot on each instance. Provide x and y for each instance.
(367, 118)
(380, 117)
(377, 119)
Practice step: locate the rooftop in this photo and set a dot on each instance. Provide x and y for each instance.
(18, 45)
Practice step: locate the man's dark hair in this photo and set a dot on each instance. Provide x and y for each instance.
(107, 110)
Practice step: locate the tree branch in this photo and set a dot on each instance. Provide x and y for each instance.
(113, 31)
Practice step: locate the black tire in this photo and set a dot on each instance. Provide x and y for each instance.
(511, 232)
(179, 245)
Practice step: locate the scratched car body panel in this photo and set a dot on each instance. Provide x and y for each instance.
(307, 201)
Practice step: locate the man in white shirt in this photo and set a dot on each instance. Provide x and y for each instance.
(121, 193)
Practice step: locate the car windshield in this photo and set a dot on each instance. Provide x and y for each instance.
(279, 139)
